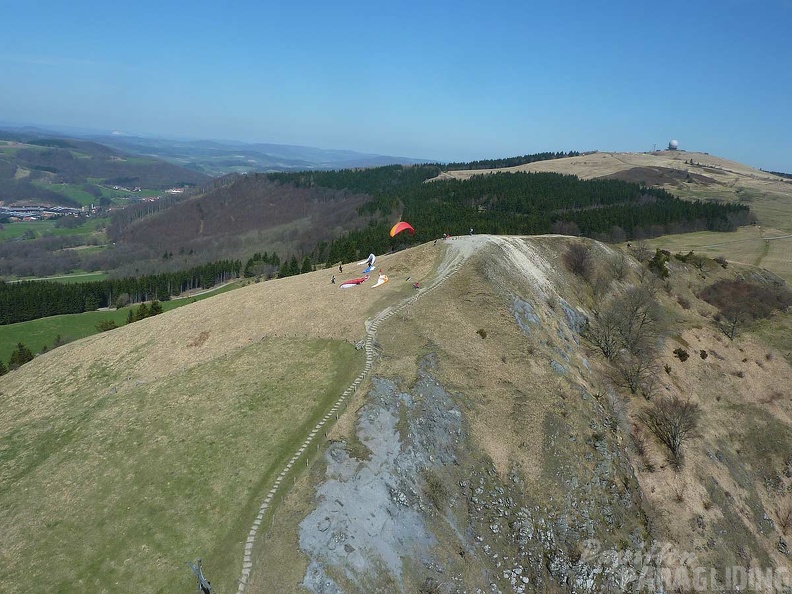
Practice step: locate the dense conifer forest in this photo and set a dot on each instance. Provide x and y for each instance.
(499, 203)
(30, 300)
(509, 203)
(509, 161)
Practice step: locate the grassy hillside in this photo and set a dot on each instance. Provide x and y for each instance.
(77, 172)
(755, 245)
(491, 442)
(155, 441)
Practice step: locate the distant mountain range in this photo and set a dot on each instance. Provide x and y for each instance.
(219, 157)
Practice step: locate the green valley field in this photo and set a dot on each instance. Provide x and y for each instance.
(37, 334)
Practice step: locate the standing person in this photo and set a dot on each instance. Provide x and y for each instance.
(471, 230)
(340, 269)
(332, 280)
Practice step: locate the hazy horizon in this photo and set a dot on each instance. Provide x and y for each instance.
(446, 81)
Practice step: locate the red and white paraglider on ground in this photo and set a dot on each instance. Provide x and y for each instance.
(354, 282)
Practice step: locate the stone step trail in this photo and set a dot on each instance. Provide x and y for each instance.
(371, 332)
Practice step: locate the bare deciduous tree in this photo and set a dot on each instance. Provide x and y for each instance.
(673, 421)
(636, 371)
(629, 325)
(642, 251)
(603, 331)
(731, 320)
(617, 265)
(578, 260)
(784, 515)
(739, 302)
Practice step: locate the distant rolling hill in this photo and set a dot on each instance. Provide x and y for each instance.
(689, 175)
(55, 170)
(696, 176)
(248, 213)
(218, 157)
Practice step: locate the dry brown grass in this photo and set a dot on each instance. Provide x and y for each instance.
(726, 403)
(467, 364)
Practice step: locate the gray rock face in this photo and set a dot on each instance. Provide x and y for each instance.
(369, 513)
(524, 314)
(575, 320)
(376, 521)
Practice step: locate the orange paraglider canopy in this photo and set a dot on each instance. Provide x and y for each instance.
(401, 226)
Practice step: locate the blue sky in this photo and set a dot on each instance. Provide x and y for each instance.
(441, 80)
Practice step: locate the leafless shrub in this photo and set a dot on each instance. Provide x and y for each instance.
(601, 284)
(636, 371)
(642, 251)
(673, 421)
(642, 316)
(430, 586)
(743, 554)
(638, 439)
(784, 515)
(603, 330)
(739, 302)
(578, 260)
(731, 321)
(615, 411)
(617, 266)
(679, 492)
